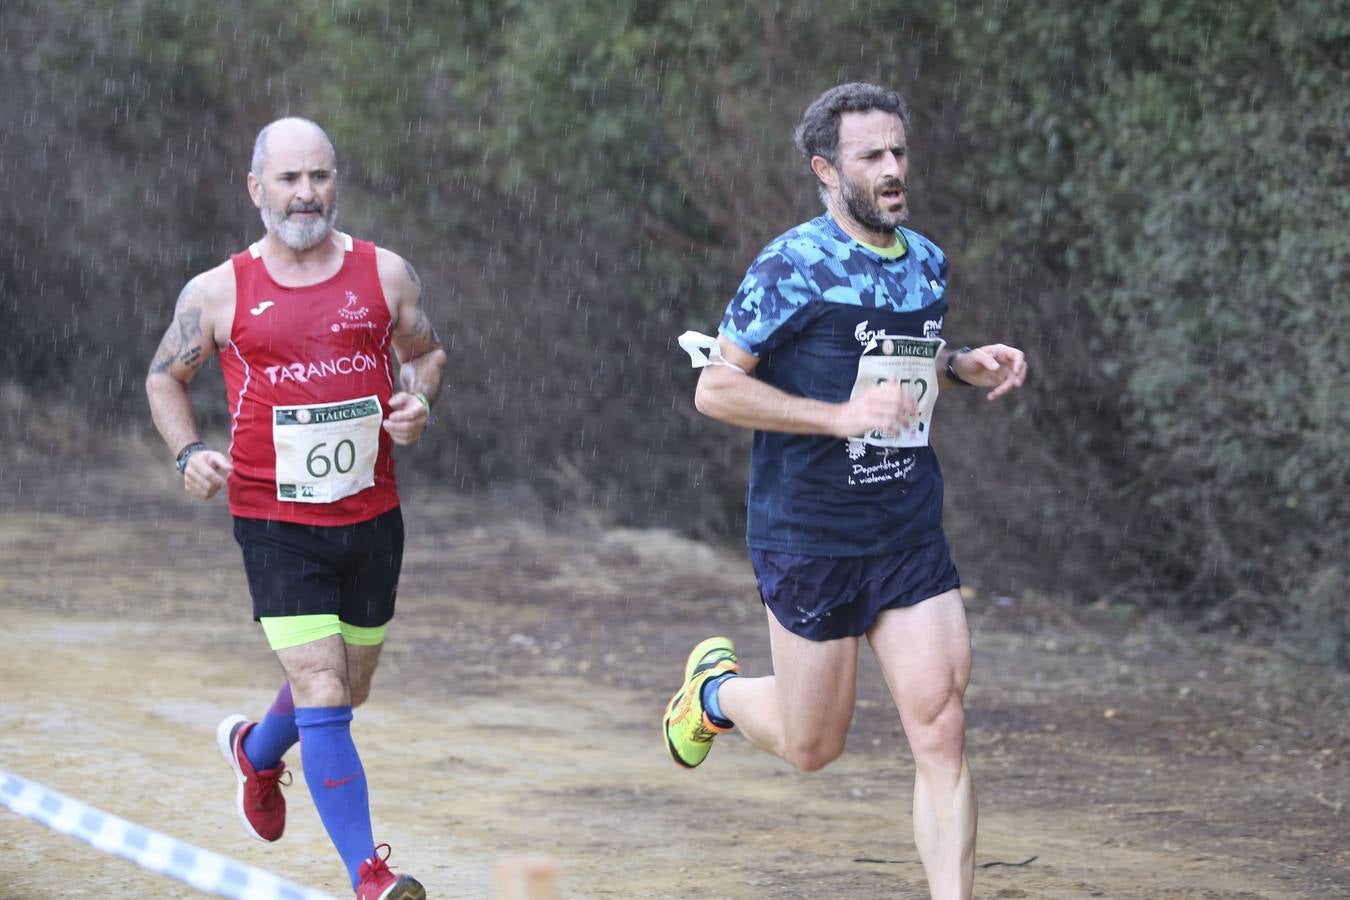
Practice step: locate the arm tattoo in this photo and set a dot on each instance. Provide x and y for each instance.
(182, 343)
(412, 273)
(419, 326)
(420, 330)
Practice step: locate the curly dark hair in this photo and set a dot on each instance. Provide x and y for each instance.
(818, 132)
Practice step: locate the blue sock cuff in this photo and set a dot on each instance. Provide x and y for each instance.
(267, 742)
(710, 704)
(312, 716)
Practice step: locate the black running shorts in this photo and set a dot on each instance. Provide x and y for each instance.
(350, 571)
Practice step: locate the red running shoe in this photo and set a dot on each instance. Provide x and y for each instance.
(262, 808)
(376, 882)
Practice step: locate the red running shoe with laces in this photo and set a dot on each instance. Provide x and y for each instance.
(261, 806)
(376, 882)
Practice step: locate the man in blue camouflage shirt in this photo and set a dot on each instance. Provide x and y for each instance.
(832, 352)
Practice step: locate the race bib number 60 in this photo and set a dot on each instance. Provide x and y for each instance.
(326, 451)
(910, 362)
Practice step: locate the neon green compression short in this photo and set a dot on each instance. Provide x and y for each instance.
(291, 631)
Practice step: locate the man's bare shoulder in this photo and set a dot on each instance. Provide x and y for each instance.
(211, 296)
(212, 288)
(397, 276)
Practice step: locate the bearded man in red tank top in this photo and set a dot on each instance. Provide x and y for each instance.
(303, 322)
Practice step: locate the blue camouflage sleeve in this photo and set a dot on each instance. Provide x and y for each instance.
(760, 316)
(932, 260)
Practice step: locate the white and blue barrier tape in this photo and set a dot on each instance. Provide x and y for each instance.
(202, 869)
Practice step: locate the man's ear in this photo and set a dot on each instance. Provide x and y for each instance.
(255, 189)
(825, 172)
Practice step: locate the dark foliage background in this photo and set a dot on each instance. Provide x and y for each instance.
(1149, 197)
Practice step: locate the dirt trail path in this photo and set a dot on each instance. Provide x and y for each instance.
(517, 708)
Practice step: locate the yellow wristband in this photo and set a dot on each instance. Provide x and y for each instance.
(431, 420)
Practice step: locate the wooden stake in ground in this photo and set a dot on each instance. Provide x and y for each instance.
(528, 878)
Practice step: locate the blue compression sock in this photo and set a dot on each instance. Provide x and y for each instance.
(336, 781)
(710, 704)
(267, 742)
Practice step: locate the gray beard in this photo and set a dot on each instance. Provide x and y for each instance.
(300, 235)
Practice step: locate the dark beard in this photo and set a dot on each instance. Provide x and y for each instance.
(868, 214)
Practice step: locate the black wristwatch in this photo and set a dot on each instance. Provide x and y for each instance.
(951, 369)
(186, 453)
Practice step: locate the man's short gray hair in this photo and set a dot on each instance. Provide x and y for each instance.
(260, 143)
(818, 132)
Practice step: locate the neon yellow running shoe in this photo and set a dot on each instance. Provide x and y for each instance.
(689, 732)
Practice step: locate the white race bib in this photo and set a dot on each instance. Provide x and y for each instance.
(910, 362)
(326, 451)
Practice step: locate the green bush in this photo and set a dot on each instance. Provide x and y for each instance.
(1183, 165)
(1148, 197)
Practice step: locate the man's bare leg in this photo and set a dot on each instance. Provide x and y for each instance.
(924, 651)
(361, 662)
(800, 713)
(330, 671)
(317, 672)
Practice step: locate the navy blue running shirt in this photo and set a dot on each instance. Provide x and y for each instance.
(807, 308)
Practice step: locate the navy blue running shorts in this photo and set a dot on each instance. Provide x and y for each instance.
(823, 598)
(350, 571)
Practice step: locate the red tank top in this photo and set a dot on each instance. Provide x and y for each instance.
(289, 346)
